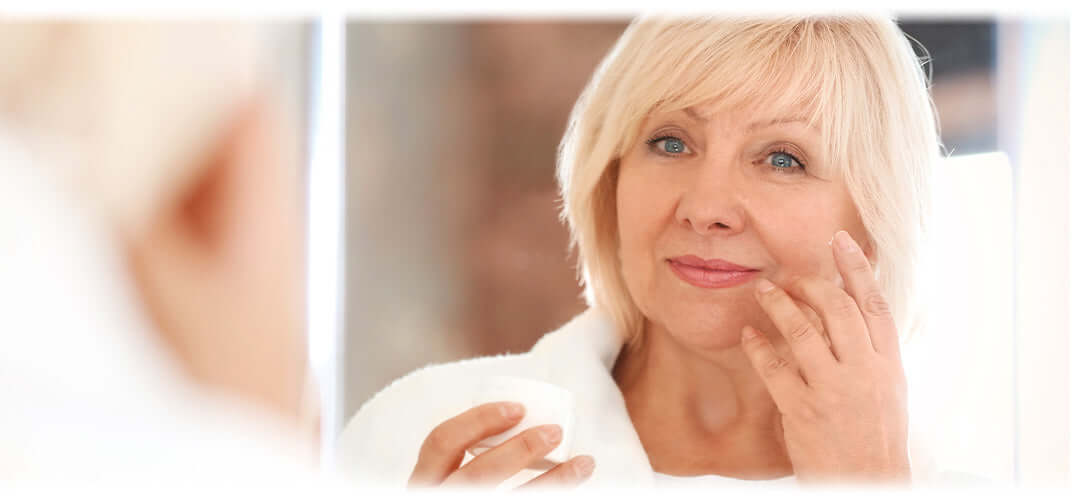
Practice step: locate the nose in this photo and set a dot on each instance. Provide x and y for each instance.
(713, 203)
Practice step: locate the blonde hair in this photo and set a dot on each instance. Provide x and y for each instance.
(856, 78)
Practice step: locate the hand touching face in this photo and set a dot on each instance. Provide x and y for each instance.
(844, 407)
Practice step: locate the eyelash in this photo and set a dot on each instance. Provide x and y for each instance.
(799, 164)
(663, 137)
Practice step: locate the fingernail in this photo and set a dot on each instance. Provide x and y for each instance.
(764, 285)
(747, 333)
(843, 239)
(552, 434)
(511, 410)
(584, 466)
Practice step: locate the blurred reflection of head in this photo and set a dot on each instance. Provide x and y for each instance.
(151, 243)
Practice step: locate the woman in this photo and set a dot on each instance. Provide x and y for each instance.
(747, 197)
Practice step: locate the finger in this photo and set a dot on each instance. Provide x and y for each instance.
(445, 446)
(499, 463)
(781, 379)
(812, 315)
(807, 343)
(815, 320)
(861, 283)
(569, 473)
(843, 320)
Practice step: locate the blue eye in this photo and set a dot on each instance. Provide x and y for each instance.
(668, 145)
(783, 161)
(674, 146)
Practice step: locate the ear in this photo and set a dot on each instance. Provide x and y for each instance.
(242, 187)
(173, 259)
(199, 214)
(219, 268)
(192, 221)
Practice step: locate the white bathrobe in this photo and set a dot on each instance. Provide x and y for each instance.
(381, 442)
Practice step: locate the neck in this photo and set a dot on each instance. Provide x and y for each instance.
(700, 413)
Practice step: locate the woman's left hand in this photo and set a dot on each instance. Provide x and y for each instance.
(844, 408)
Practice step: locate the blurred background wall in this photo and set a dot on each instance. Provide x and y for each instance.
(454, 247)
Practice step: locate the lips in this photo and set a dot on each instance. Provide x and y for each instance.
(711, 273)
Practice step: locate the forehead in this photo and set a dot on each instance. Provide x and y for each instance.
(748, 119)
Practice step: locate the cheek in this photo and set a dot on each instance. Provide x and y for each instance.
(643, 209)
(644, 205)
(797, 227)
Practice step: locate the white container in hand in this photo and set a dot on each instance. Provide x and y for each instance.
(544, 404)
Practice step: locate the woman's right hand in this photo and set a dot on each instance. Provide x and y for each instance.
(441, 454)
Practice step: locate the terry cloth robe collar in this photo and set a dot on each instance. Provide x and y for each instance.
(579, 357)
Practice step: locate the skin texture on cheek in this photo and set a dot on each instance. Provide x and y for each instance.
(800, 253)
(632, 223)
(797, 224)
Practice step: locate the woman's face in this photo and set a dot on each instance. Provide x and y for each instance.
(709, 199)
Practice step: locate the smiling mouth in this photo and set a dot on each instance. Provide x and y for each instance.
(713, 273)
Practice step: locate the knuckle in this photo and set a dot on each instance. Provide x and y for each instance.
(775, 366)
(533, 443)
(808, 311)
(817, 323)
(440, 441)
(770, 296)
(565, 473)
(757, 342)
(803, 332)
(800, 284)
(844, 305)
(875, 304)
(807, 410)
(860, 264)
